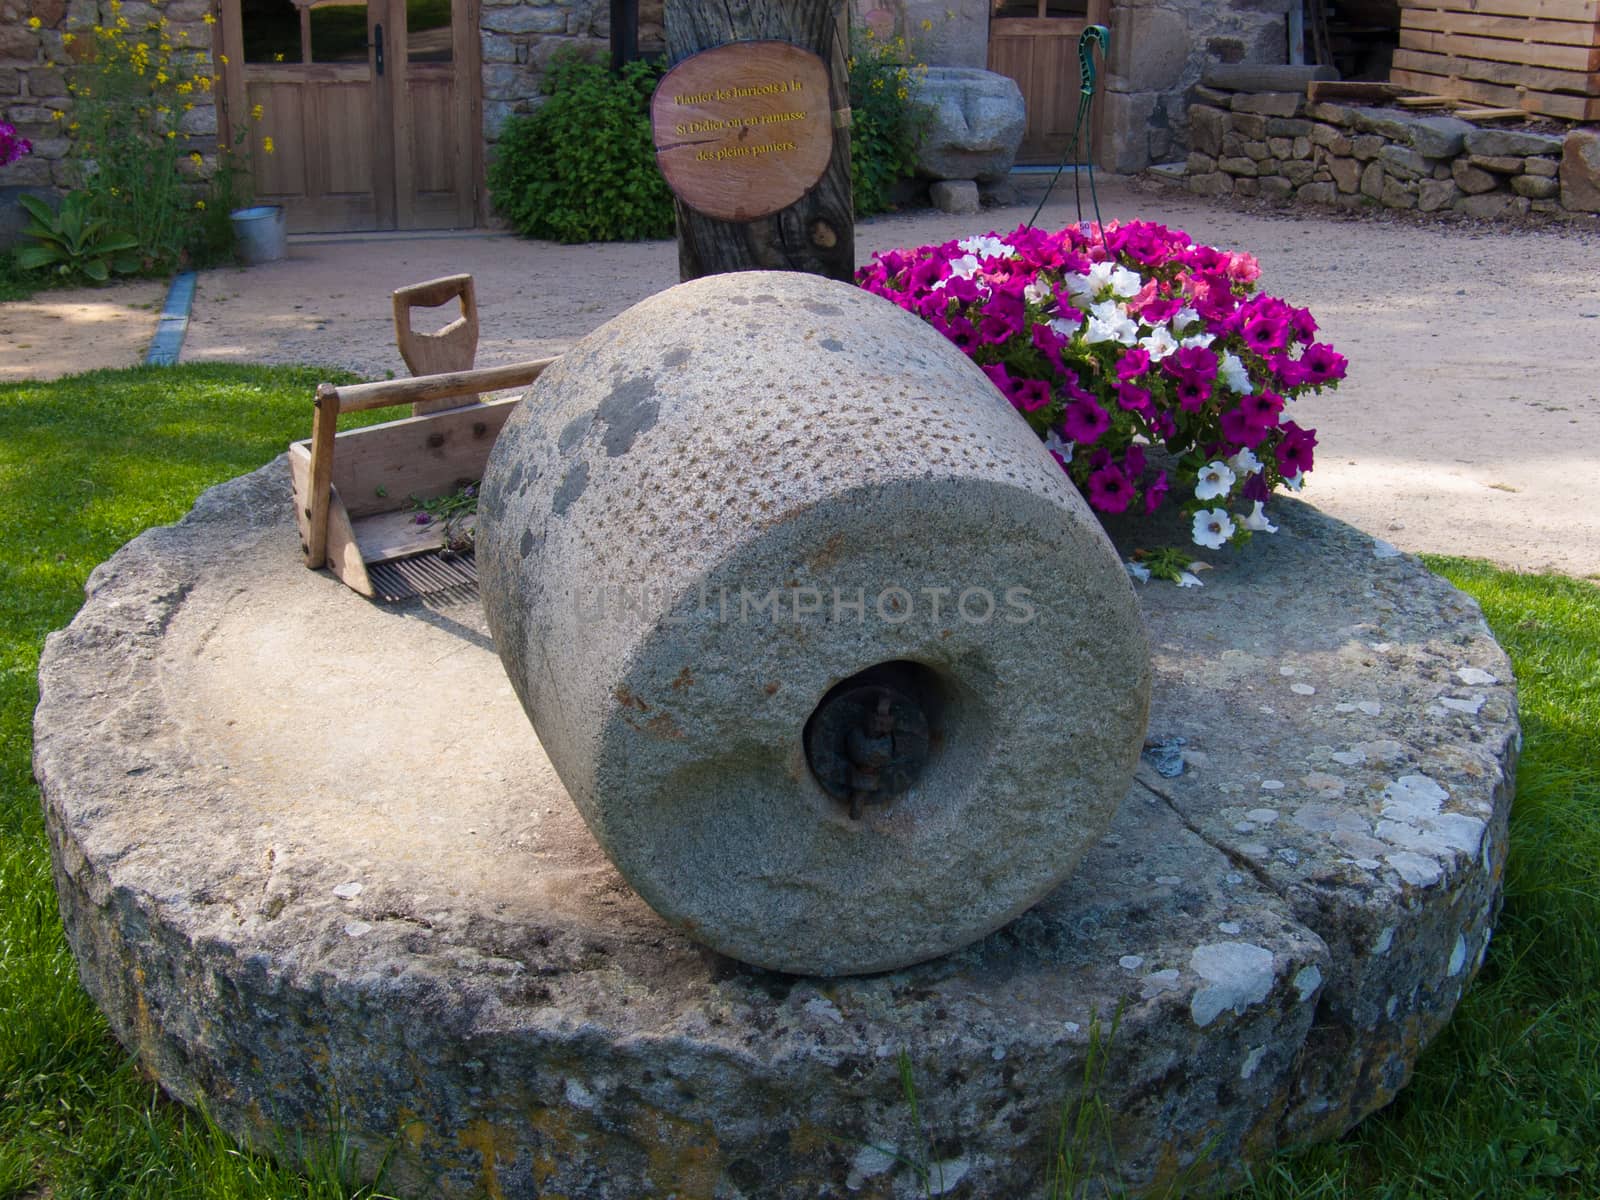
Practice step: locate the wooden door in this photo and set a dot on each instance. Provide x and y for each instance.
(370, 107)
(1035, 42)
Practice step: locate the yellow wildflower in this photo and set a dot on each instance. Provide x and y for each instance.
(223, 59)
(34, 22)
(161, 76)
(278, 57)
(255, 112)
(57, 115)
(73, 128)
(266, 145)
(209, 19)
(68, 38)
(194, 157)
(184, 88)
(171, 134)
(200, 204)
(115, 6)
(926, 24)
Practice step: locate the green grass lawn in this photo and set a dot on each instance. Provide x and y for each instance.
(1506, 1103)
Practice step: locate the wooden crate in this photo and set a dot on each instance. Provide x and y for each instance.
(1542, 56)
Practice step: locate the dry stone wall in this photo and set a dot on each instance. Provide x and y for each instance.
(1158, 51)
(1278, 145)
(519, 38)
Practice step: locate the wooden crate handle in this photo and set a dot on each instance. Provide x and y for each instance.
(331, 401)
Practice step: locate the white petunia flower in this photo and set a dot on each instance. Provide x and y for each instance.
(1080, 287)
(1232, 373)
(985, 246)
(1138, 570)
(1295, 484)
(1108, 323)
(1215, 480)
(1160, 343)
(1054, 443)
(1198, 339)
(1038, 292)
(1213, 528)
(1066, 327)
(1184, 318)
(1245, 463)
(1125, 283)
(1185, 579)
(1257, 520)
(1100, 274)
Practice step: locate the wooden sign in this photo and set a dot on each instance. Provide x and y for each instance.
(743, 130)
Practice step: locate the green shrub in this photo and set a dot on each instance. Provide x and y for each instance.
(884, 127)
(582, 167)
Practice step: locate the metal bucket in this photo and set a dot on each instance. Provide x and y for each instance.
(260, 233)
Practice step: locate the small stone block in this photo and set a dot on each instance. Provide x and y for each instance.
(955, 196)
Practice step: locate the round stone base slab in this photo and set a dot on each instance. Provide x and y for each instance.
(311, 856)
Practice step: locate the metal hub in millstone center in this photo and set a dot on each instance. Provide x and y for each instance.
(868, 741)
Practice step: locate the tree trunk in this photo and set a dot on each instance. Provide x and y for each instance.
(817, 232)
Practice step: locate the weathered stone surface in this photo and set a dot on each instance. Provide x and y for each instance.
(1252, 126)
(1580, 171)
(1372, 180)
(1438, 137)
(1505, 165)
(1206, 127)
(423, 915)
(1275, 187)
(1346, 173)
(1272, 104)
(954, 195)
(1281, 147)
(1238, 166)
(975, 121)
(1546, 168)
(1404, 162)
(1434, 194)
(1316, 193)
(1499, 142)
(1264, 77)
(1535, 187)
(1397, 194)
(1257, 151)
(1246, 186)
(1200, 164)
(1130, 133)
(1471, 179)
(1151, 49)
(648, 709)
(1332, 138)
(1366, 146)
(1216, 184)
(1298, 171)
(1384, 122)
(1293, 127)
(1492, 205)
(1333, 114)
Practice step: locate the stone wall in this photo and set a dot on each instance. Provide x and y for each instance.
(1158, 51)
(36, 61)
(1277, 145)
(518, 38)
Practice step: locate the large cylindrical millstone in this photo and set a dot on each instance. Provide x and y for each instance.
(831, 656)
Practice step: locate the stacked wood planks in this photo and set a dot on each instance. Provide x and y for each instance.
(1542, 56)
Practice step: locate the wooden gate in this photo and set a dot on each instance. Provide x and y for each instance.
(371, 108)
(1035, 42)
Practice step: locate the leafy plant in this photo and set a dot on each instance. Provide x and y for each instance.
(131, 95)
(884, 125)
(582, 167)
(71, 242)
